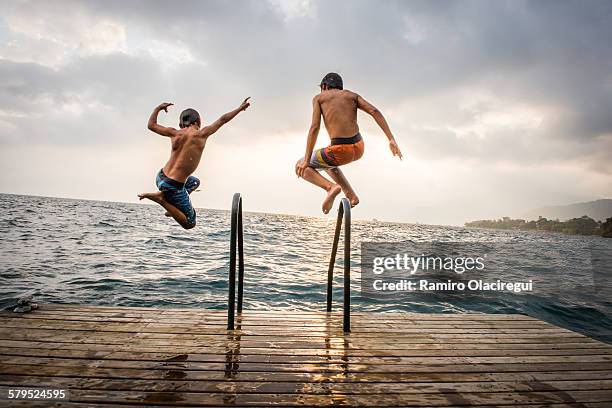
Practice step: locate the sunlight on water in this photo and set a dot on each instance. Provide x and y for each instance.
(75, 251)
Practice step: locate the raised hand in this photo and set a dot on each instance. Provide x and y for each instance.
(245, 104)
(164, 106)
(395, 149)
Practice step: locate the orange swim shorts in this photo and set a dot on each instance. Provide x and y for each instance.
(341, 151)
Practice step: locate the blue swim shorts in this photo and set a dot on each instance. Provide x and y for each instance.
(177, 194)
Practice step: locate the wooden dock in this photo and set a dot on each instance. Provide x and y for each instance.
(119, 356)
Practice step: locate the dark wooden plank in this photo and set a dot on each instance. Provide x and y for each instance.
(389, 364)
(414, 350)
(277, 321)
(66, 367)
(266, 330)
(357, 325)
(320, 316)
(170, 340)
(89, 405)
(271, 314)
(95, 405)
(379, 400)
(350, 349)
(263, 355)
(281, 344)
(204, 331)
(307, 388)
(158, 376)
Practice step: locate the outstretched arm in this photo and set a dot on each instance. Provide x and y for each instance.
(381, 121)
(313, 133)
(226, 117)
(157, 128)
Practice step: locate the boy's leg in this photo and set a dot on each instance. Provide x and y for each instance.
(191, 185)
(313, 176)
(173, 212)
(338, 176)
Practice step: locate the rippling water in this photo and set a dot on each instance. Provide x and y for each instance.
(104, 253)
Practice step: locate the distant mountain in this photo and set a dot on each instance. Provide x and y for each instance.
(598, 210)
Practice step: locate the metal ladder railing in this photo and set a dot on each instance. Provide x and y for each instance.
(236, 240)
(344, 211)
(237, 245)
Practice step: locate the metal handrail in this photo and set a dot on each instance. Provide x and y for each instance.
(236, 240)
(344, 210)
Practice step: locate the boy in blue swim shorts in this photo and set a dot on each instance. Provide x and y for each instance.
(174, 180)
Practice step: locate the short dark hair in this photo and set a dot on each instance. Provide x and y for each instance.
(189, 117)
(332, 80)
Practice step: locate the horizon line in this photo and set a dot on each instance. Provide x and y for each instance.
(228, 210)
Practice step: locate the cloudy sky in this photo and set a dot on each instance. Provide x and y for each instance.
(499, 106)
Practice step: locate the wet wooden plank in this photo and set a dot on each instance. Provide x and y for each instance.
(284, 342)
(158, 370)
(249, 325)
(150, 327)
(322, 316)
(286, 355)
(158, 377)
(287, 322)
(399, 315)
(545, 405)
(308, 387)
(415, 349)
(298, 399)
(554, 405)
(319, 316)
(175, 357)
(388, 364)
(291, 331)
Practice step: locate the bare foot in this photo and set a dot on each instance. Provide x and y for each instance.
(331, 196)
(354, 200)
(158, 197)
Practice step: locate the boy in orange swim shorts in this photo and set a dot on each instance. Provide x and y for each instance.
(338, 107)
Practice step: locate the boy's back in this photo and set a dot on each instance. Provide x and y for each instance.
(187, 147)
(339, 109)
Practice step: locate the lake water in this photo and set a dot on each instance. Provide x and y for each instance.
(121, 254)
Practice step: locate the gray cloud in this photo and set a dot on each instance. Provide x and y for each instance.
(522, 82)
(547, 53)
